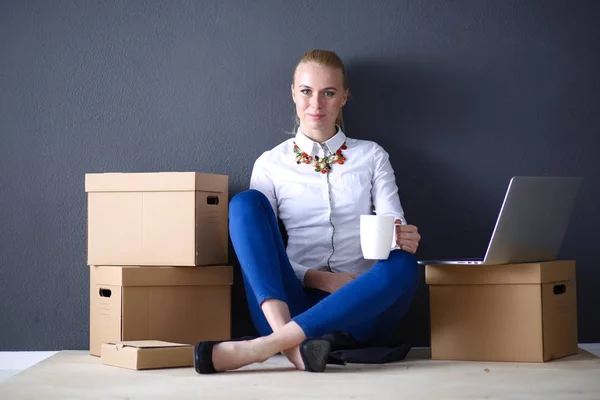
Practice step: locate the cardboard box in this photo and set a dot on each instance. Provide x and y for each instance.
(147, 354)
(163, 218)
(172, 304)
(516, 312)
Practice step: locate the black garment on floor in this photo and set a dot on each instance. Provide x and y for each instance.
(344, 349)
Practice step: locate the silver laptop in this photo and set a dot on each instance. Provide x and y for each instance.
(532, 221)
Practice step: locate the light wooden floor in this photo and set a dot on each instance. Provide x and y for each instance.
(76, 375)
(13, 362)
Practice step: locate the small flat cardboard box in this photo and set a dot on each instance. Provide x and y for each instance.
(147, 354)
(172, 304)
(157, 218)
(515, 312)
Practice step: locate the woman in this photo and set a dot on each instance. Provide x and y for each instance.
(318, 184)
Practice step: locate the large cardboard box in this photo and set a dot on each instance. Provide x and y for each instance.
(516, 312)
(172, 304)
(162, 218)
(147, 354)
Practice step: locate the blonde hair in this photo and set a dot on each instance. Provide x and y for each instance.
(324, 58)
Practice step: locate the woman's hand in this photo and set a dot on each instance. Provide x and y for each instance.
(338, 279)
(327, 281)
(407, 237)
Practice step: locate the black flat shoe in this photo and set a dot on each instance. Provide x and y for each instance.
(314, 353)
(339, 341)
(203, 363)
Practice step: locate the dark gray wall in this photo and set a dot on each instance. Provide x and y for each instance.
(463, 94)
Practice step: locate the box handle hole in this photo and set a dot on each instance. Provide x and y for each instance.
(212, 200)
(560, 289)
(105, 292)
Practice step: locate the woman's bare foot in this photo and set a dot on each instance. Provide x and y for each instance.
(228, 356)
(293, 355)
(232, 355)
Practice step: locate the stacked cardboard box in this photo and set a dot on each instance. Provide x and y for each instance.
(516, 312)
(157, 252)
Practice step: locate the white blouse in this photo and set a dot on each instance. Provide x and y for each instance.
(321, 212)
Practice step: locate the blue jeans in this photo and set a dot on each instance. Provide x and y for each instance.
(368, 307)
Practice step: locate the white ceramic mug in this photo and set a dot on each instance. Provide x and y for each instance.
(377, 236)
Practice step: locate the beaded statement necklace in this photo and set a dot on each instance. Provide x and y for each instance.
(322, 165)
